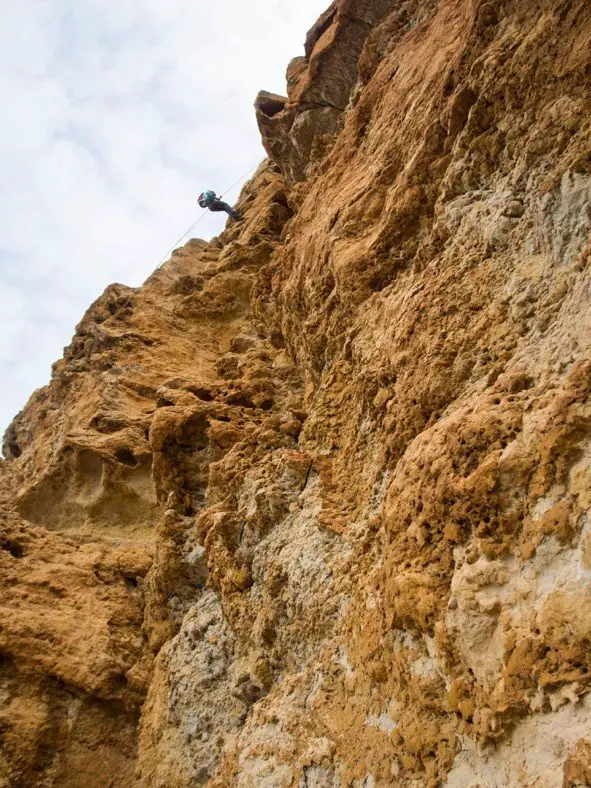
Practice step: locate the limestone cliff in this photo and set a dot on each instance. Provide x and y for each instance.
(311, 507)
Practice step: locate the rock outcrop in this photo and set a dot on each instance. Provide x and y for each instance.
(319, 85)
(311, 507)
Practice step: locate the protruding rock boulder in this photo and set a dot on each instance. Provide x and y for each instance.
(318, 85)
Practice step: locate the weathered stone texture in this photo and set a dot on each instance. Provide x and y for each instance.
(312, 506)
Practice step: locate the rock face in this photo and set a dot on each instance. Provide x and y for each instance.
(311, 507)
(318, 85)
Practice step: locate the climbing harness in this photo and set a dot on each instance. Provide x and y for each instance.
(195, 223)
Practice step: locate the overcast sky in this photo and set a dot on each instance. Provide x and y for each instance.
(115, 115)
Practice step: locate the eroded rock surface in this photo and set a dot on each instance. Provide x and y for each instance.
(319, 85)
(311, 507)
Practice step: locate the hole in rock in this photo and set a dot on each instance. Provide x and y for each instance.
(280, 198)
(125, 456)
(201, 393)
(13, 547)
(130, 581)
(240, 399)
(271, 105)
(106, 425)
(5, 660)
(14, 450)
(119, 681)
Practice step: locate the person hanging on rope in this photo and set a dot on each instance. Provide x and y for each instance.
(210, 200)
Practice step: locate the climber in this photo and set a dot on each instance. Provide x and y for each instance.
(210, 200)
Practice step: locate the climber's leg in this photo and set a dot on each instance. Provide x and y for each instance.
(218, 205)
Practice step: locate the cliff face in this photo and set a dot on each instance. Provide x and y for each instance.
(311, 507)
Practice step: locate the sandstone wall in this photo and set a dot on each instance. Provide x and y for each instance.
(311, 507)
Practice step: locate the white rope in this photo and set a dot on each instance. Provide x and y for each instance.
(176, 243)
(240, 179)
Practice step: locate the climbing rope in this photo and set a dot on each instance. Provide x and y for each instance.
(246, 174)
(203, 215)
(176, 243)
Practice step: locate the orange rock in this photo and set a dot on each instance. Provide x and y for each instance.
(311, 506)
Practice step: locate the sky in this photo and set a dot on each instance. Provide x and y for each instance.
(116, 114)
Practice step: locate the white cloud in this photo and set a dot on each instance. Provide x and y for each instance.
(115, 116)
